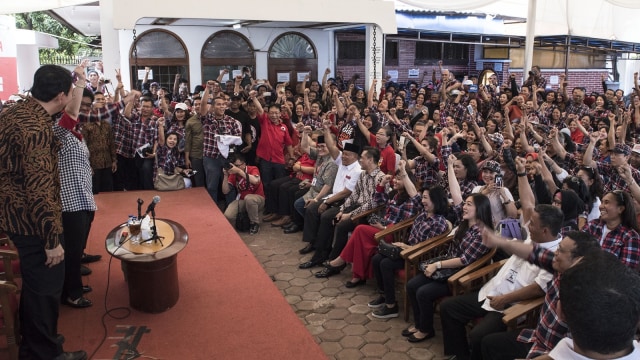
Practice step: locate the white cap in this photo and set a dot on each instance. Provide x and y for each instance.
(181, 106)
(467, 82)
(455, 92)
(636, 149)
(566, 131)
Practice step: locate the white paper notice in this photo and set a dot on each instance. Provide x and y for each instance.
(225, 77)
(414, 73)
(301, 76)
(142, 72)
(393, 74)
(283, 77)
(236, 73)
(553, 79)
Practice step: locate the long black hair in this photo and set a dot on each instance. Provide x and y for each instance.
(483, 215)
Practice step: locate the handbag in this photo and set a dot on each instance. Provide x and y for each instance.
(510, 228)
(440, 274)
(242, 220)
(164, 182)
(389, 250)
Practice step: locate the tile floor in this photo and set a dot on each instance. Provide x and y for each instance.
(336, 316)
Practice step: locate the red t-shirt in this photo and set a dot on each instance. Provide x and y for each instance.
(273, 140)
(245, 187)
(388, 160)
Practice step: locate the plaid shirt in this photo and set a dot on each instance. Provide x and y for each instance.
(427, 174)
(612, 179)
(362, 194)
(550, 328)
(168, 159)
(133, 133)
(75, 172)
(108, 113)
(394, 212)
(580, 110)
(212, 127)
(623, 242)
(470, 248)
(425, 227)
(316, 123)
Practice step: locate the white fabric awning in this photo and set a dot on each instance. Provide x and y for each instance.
(22, 6)
(599, 19)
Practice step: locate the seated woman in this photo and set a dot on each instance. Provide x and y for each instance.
(466, 248)
(502, 205)
(617, 228)
(361, 246)
(430, 222)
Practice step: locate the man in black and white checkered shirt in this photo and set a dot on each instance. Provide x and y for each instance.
(78, 205)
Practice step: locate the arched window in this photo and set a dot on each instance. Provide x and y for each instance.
(291, 56)
(292, 46)
(164, 53)
(226, 50)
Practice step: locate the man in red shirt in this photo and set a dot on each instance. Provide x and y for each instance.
(246, 180)
(274, 140)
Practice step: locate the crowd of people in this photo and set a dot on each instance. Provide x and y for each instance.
(448, 152)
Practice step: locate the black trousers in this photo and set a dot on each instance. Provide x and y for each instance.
(39, 299)
(281, 195)
(319, 226)
(102, 180)
(340, 238)
(423, 292)
(455, 313)
(145, 173)
(384, 270)
(198, 178)
(504, 346)
(77, 225)
(126, 178)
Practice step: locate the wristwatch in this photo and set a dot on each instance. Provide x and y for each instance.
(439, 265)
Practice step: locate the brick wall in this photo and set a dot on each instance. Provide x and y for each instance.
(590, 79)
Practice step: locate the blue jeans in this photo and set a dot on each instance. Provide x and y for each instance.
(213, 173)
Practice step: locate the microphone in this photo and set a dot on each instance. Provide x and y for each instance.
(140, 202)
(152, 206)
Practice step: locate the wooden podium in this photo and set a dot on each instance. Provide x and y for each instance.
(151, 267)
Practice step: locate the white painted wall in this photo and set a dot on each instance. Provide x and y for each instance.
(194, 39)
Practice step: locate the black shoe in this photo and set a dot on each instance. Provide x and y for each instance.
(386, 312)
(330, 270)
(84, 271)
(406, 332)
(351, 285)
(377, 303)
(309, 264)
(292, 229)
(254, 228)
(307, 249)
(73, 355)
(413, 339)
(86, 289)
(86, 258)
(79, 303)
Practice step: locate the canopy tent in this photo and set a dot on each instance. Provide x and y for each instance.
(599, 19)
(22, 6)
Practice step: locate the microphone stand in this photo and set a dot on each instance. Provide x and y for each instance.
(154, 232)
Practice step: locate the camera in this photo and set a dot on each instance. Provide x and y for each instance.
(107, 81)
(499, 181)
(228, 165)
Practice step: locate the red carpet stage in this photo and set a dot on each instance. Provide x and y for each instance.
(228, 306)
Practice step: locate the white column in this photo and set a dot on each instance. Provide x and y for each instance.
(111, 45)
(530, 39)
(373, 69)
(262, 65)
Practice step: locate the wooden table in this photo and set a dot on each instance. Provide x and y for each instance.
(151, 268)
